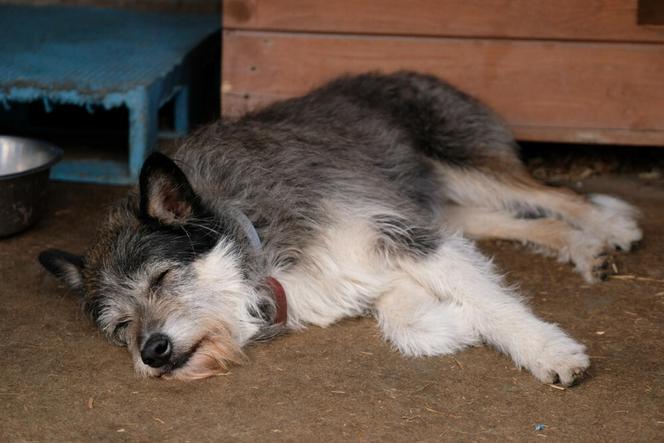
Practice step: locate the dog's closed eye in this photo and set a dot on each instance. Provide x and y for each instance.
(157, 281)
(120, 332)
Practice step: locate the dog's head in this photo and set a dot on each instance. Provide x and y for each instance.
(167, 278)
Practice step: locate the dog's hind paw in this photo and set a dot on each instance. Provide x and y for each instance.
(589, 256)
(618, 224)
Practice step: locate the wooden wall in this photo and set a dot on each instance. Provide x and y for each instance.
(564, 70)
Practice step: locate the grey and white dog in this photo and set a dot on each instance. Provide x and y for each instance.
(358, 198)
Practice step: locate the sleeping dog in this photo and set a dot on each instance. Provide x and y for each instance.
(360, 198)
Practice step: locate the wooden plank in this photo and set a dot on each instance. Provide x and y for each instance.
(579, 87)
(602, 136)
(593, 20)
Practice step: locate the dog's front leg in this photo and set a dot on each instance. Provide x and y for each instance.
(458, 273)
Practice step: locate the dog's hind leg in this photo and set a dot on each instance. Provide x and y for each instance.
(608, 219)
(469, 290)
(476, 155)
(548, 235)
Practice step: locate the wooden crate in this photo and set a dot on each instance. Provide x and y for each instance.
(569, 70)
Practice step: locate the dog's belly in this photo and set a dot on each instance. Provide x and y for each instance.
(339, 276)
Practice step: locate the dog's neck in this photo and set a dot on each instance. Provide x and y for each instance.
(277, 290)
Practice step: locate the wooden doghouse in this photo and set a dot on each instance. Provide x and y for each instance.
(589, 71)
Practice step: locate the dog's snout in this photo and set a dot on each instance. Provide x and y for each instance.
(157, 350)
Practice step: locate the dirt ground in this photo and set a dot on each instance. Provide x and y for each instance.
(62, 381)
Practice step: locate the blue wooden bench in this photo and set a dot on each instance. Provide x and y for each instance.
(102, 58)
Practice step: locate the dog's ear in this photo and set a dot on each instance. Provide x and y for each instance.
(165, 192)
(67, 267)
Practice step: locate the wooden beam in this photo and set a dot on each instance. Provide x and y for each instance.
(591, 20)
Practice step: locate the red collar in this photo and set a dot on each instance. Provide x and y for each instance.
(279, 295)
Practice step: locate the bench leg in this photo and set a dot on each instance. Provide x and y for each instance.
(182, 111)
(143, 126)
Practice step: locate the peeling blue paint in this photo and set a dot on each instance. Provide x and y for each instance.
(47, 105)
(101, 58)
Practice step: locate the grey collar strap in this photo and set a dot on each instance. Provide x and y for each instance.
(249, 229)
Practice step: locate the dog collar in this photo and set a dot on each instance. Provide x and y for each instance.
(278, 291)
(281, 304)
(249, 230)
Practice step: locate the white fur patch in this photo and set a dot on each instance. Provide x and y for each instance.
(221, 292)
(340, 276)
(418, 324)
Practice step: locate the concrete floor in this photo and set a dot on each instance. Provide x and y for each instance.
(62, 381)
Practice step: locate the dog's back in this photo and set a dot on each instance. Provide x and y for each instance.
(371, 141)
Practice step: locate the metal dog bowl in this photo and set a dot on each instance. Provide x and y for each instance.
(24, 168)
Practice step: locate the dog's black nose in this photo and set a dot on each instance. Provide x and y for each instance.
(157, 351)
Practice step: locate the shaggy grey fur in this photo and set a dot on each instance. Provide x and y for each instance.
(358, 139)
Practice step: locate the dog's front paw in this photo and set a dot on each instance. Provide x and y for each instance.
(561, 360)
(618, 222)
